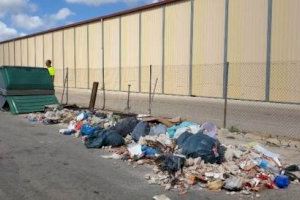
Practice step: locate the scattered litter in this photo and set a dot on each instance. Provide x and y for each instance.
(112, 156)
(135, 150)
(161, 197)
(282, 181)
(215, 185)
(183, 154)
(233, 184)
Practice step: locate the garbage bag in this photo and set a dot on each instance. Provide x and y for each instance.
(202, 145)
(125, 126)
(158, 129)
(82, 116)
(209, 129)
(102, 138)
(170, 163)
(172, 130)
(87, 129)
(148, 151)
(182, 138)
(141, 129)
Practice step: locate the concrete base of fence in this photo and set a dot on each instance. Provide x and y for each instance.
(265, 118)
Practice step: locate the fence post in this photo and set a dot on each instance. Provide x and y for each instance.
(226, 70)
(128, 96)
(102, 54)
(93, 96)
(67, 92)
(103, 88)
(150, 88)
(268, 59)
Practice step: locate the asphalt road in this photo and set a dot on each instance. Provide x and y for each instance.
(259, 117)
(38, 163)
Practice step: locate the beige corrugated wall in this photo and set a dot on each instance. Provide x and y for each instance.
(285, 52)
(208, 48)
(11, 53)
(247, 44)
(111, 54)
(151, 48)
(18, 55)
(58, 58)
(69, 56)
(247, 47)
(24, 52)
(177, 48)
(39, 51)
(130, 52)
(81, 57)
(48, 47)
(1, 54)
(31, 52)
(95, 53)
(6, 54)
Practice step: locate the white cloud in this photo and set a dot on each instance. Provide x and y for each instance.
(27, 22)
(62, 14)
(7, 32)
(99, 2)
(16, 6)
(35, 23)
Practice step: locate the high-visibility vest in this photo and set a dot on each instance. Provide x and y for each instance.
(51, 71)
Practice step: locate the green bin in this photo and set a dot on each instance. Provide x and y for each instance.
(26, 89)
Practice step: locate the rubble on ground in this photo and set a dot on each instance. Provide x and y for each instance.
(183, 154)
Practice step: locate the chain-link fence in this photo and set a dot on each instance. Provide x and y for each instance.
(253, 93)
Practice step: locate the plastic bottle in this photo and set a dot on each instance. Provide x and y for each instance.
(265, 164)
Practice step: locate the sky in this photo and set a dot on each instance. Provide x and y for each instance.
(23, 17)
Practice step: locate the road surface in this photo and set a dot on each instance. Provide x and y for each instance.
(38, 163)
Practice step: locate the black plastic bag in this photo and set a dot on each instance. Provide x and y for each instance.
(104, 138)
(201, 145)
(170, 163)
(125, 126)
(140, 130)
(182, 138)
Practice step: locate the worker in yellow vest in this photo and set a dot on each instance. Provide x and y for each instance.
(51, 69)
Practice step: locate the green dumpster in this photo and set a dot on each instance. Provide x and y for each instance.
(25, 89)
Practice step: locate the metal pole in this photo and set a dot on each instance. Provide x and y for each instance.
(191, 48)
(150, 90)
(35, 51)
(140, 52)
(269, 41)
(103, 77)
(120, 54)
(226, 69)
(21, 52)
(27, 46)
(128, 96)
(64, 88)
(88, 58)
(225, 45)
(75, 67)
(104, 98)
(14, 52)
(163, 50)
(67, 92)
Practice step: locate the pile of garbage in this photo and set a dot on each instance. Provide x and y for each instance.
(183, 154)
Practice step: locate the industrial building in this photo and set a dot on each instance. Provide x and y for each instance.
(188, 43)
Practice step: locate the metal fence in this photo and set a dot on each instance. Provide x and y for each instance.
(234, 93)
